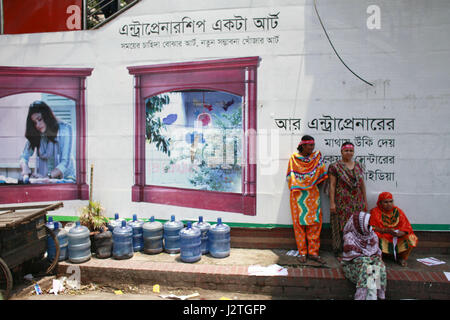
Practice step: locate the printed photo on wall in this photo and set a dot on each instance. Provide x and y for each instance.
(38, 139)
(194, 140)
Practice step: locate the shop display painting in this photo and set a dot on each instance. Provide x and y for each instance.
(52, 159)
(194, 140)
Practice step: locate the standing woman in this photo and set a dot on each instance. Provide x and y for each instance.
(347, 193)
(305, 172)
(52, 140)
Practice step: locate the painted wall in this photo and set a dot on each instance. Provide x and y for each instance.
(400, 124)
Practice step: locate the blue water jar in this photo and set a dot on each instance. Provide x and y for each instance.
(219, 240)
(138, 238)
(204, 229)
(103, 244)
(123, 242)
(153, 232)
(190, 244)
(172, 230)
(63, 241)
(79, 243)
(117, 222)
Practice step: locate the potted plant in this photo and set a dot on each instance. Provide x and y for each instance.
(92, 215)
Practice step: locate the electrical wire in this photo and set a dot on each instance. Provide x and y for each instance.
(324, 30)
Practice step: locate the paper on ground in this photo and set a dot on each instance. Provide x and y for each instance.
(272, 270)
(293, 253)
(447, 274)
(431, 261)
(172, 296)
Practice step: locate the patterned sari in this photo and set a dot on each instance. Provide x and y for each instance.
(303, 175)
(395, 219)
(349, 198)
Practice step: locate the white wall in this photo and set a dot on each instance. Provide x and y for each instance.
(407, 60)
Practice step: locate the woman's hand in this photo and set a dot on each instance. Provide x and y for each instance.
(56, 174)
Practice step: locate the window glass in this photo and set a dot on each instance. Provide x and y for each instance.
(194, 140)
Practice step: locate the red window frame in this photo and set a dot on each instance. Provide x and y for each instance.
(67, 82)
(237, 76)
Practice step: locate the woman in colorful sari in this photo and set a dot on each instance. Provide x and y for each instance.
(393, 229)
(362, 259)
(305, 172)
(347, 193)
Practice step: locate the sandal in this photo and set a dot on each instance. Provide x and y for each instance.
(301, 258)
(317, 258)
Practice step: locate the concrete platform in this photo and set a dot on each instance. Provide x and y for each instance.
(309, 281)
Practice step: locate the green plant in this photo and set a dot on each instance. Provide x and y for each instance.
(92, 217)
(154, 125)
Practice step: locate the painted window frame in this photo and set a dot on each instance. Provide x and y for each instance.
(236, 76)
(66, 82)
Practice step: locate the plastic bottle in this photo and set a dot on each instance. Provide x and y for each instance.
(79, 243)
(63, 240)
(190, 243)
(103, 244)
(172, 235)
(219, 240)
(204, 228)
(117, 222)
(123, 242)
(138, 239)
(153, 232)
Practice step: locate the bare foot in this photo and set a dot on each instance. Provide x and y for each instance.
(403, 263)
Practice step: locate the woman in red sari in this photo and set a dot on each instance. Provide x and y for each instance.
(392, 228)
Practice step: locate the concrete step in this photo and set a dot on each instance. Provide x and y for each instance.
(309, 281)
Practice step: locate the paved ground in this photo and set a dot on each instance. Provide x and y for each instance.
(238, 257)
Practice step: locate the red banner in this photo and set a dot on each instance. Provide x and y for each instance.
(30, 16)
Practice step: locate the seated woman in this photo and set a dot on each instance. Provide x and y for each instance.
(52, 140)
(392, 228)
(361, 259)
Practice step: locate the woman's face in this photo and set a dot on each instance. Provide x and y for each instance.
(347, 154)
(387, 204)
(39, 122)
(308, 148)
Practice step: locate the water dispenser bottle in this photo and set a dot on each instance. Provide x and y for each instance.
(204, 228)
(190, 244)
(172, 230)
(153, 232)
(79, 244)
(219, 240)
(123, 242)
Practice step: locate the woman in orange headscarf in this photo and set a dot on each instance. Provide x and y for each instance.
(305, 172)
(392, 228)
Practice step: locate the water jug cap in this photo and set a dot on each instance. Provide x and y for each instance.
(200, 219)
(116, 216)
(124, 223)
(172, 218)
(152, 219)
(50, 219)
(77, 223)
(134, 217)
(219, 220)
(56, 225)
(189, 225)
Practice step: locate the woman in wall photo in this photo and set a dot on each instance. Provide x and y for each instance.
(52, 140)
(347, 193)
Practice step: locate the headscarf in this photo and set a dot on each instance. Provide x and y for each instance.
(384, 196)
(359, 238)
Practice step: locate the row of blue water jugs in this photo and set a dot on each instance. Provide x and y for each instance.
(151, 237)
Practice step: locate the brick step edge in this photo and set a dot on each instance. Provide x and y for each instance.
(301, 283)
